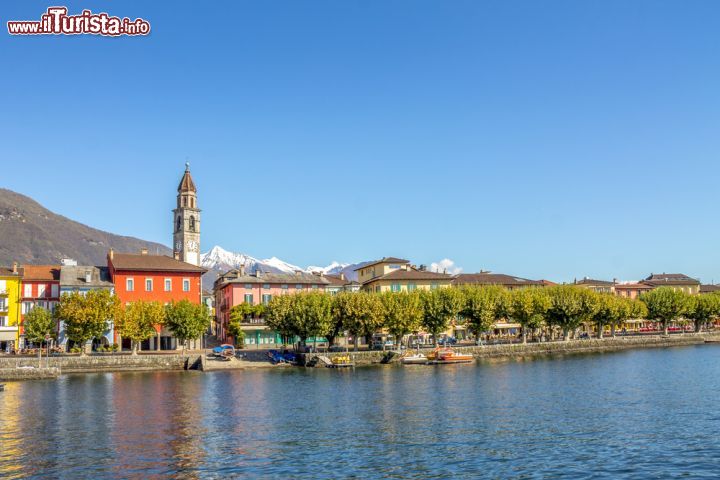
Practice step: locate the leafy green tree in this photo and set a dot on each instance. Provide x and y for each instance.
(187, 320)
(440, 307)
(403, 313)
(313, 314)
(665, 305)
(362, 313)
(483, 307)
(87, 316)
(570, 307)
(236, 331)
(702, 309)
(528, 306)
(140, 321)
(279, 316)
(39, 323)
(610, 310)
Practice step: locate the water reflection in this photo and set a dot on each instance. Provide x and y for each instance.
(617, 414)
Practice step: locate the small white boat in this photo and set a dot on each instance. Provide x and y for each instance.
(414, 359)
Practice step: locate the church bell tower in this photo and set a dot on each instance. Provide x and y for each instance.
(186, 221)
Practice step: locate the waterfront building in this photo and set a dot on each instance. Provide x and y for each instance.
(398, 275)
(40, 288)
(709, 288)
(631, 289)
(487, 278)
(82, 279)
(599, 286)
(154, 278)
(677, 281)
(186, 221)
(238, 286)
(339, 283)
(10, 284)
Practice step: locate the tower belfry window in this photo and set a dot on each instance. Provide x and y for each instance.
(179, 224)
(192, 223)
(184, 201)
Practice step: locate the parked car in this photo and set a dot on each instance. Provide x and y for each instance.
(447, 340)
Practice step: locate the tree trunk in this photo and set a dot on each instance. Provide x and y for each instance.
(698, 326)
(601, 329)
(566, 334)
(133, 347)
(612, 330)
(524, 335)
(666, 326)
(355, 342)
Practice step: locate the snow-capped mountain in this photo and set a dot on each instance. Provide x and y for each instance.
(220, 260)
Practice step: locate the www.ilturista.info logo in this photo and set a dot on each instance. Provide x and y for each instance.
(57, 22)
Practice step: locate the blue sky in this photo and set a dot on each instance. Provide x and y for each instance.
(548, 139)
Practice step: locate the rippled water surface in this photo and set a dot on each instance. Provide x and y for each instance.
(637, 414)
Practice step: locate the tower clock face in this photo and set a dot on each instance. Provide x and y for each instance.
(192, 246)
(178, 246)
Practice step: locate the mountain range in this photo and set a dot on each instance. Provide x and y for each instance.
(32, 234)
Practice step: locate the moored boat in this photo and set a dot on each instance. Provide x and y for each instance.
(414, 359)
(341, 362)
(442, 356)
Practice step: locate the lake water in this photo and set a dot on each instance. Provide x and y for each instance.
(635, 414)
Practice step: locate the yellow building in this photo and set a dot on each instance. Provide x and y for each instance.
(676, 281)
(10, 280)
(397, 275)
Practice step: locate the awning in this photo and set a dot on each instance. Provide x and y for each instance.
(7, 335)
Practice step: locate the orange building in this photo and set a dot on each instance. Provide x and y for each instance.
(40, 288)
(157, 278)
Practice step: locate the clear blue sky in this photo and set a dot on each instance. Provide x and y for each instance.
(548, 139)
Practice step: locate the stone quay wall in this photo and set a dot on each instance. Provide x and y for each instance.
(28, 373)
(100, 363)
(546, 348)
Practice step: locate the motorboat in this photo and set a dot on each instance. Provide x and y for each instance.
(414, 359)
(442, 356)
(341, 361)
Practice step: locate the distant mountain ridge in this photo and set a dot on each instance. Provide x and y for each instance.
(32, 234)
(218, 260)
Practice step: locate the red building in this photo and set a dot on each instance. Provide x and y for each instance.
(40, 288)
(154, 278)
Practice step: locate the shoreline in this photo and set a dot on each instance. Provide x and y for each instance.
(17, 368)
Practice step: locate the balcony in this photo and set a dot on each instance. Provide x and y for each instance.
(253, 322)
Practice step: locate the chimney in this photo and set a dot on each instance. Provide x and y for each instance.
(444, 271)
(111, 254)
(241, 271)
(15, 270)
(322, 274)
(88, 276)
(258, 273)
(342, 276)
(143, 251)
(176, 255)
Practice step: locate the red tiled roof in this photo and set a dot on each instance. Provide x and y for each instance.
(41, 272)
(148, 263)
(384, 260)
(486, 278)
(411, 274)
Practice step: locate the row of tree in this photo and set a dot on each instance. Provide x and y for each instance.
(88, 316)
(564, 308)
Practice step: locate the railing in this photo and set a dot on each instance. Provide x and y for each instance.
(253, 321)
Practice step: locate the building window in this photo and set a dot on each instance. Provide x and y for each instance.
(148, 284)
(434, 286)
(249, 298)
(179, 224)
(27, 290)
(266, 286)
(54, 289)
(192, 223)
(168, 284)
(248, 286)
(298, 286)
(3, 305)
(315, 287)
(395, 287)
(26, 307)
(130, 284)
(41, 290)
(411, 287)
(186, 284)
(266, 298)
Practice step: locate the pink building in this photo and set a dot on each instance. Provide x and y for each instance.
(237, 287)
